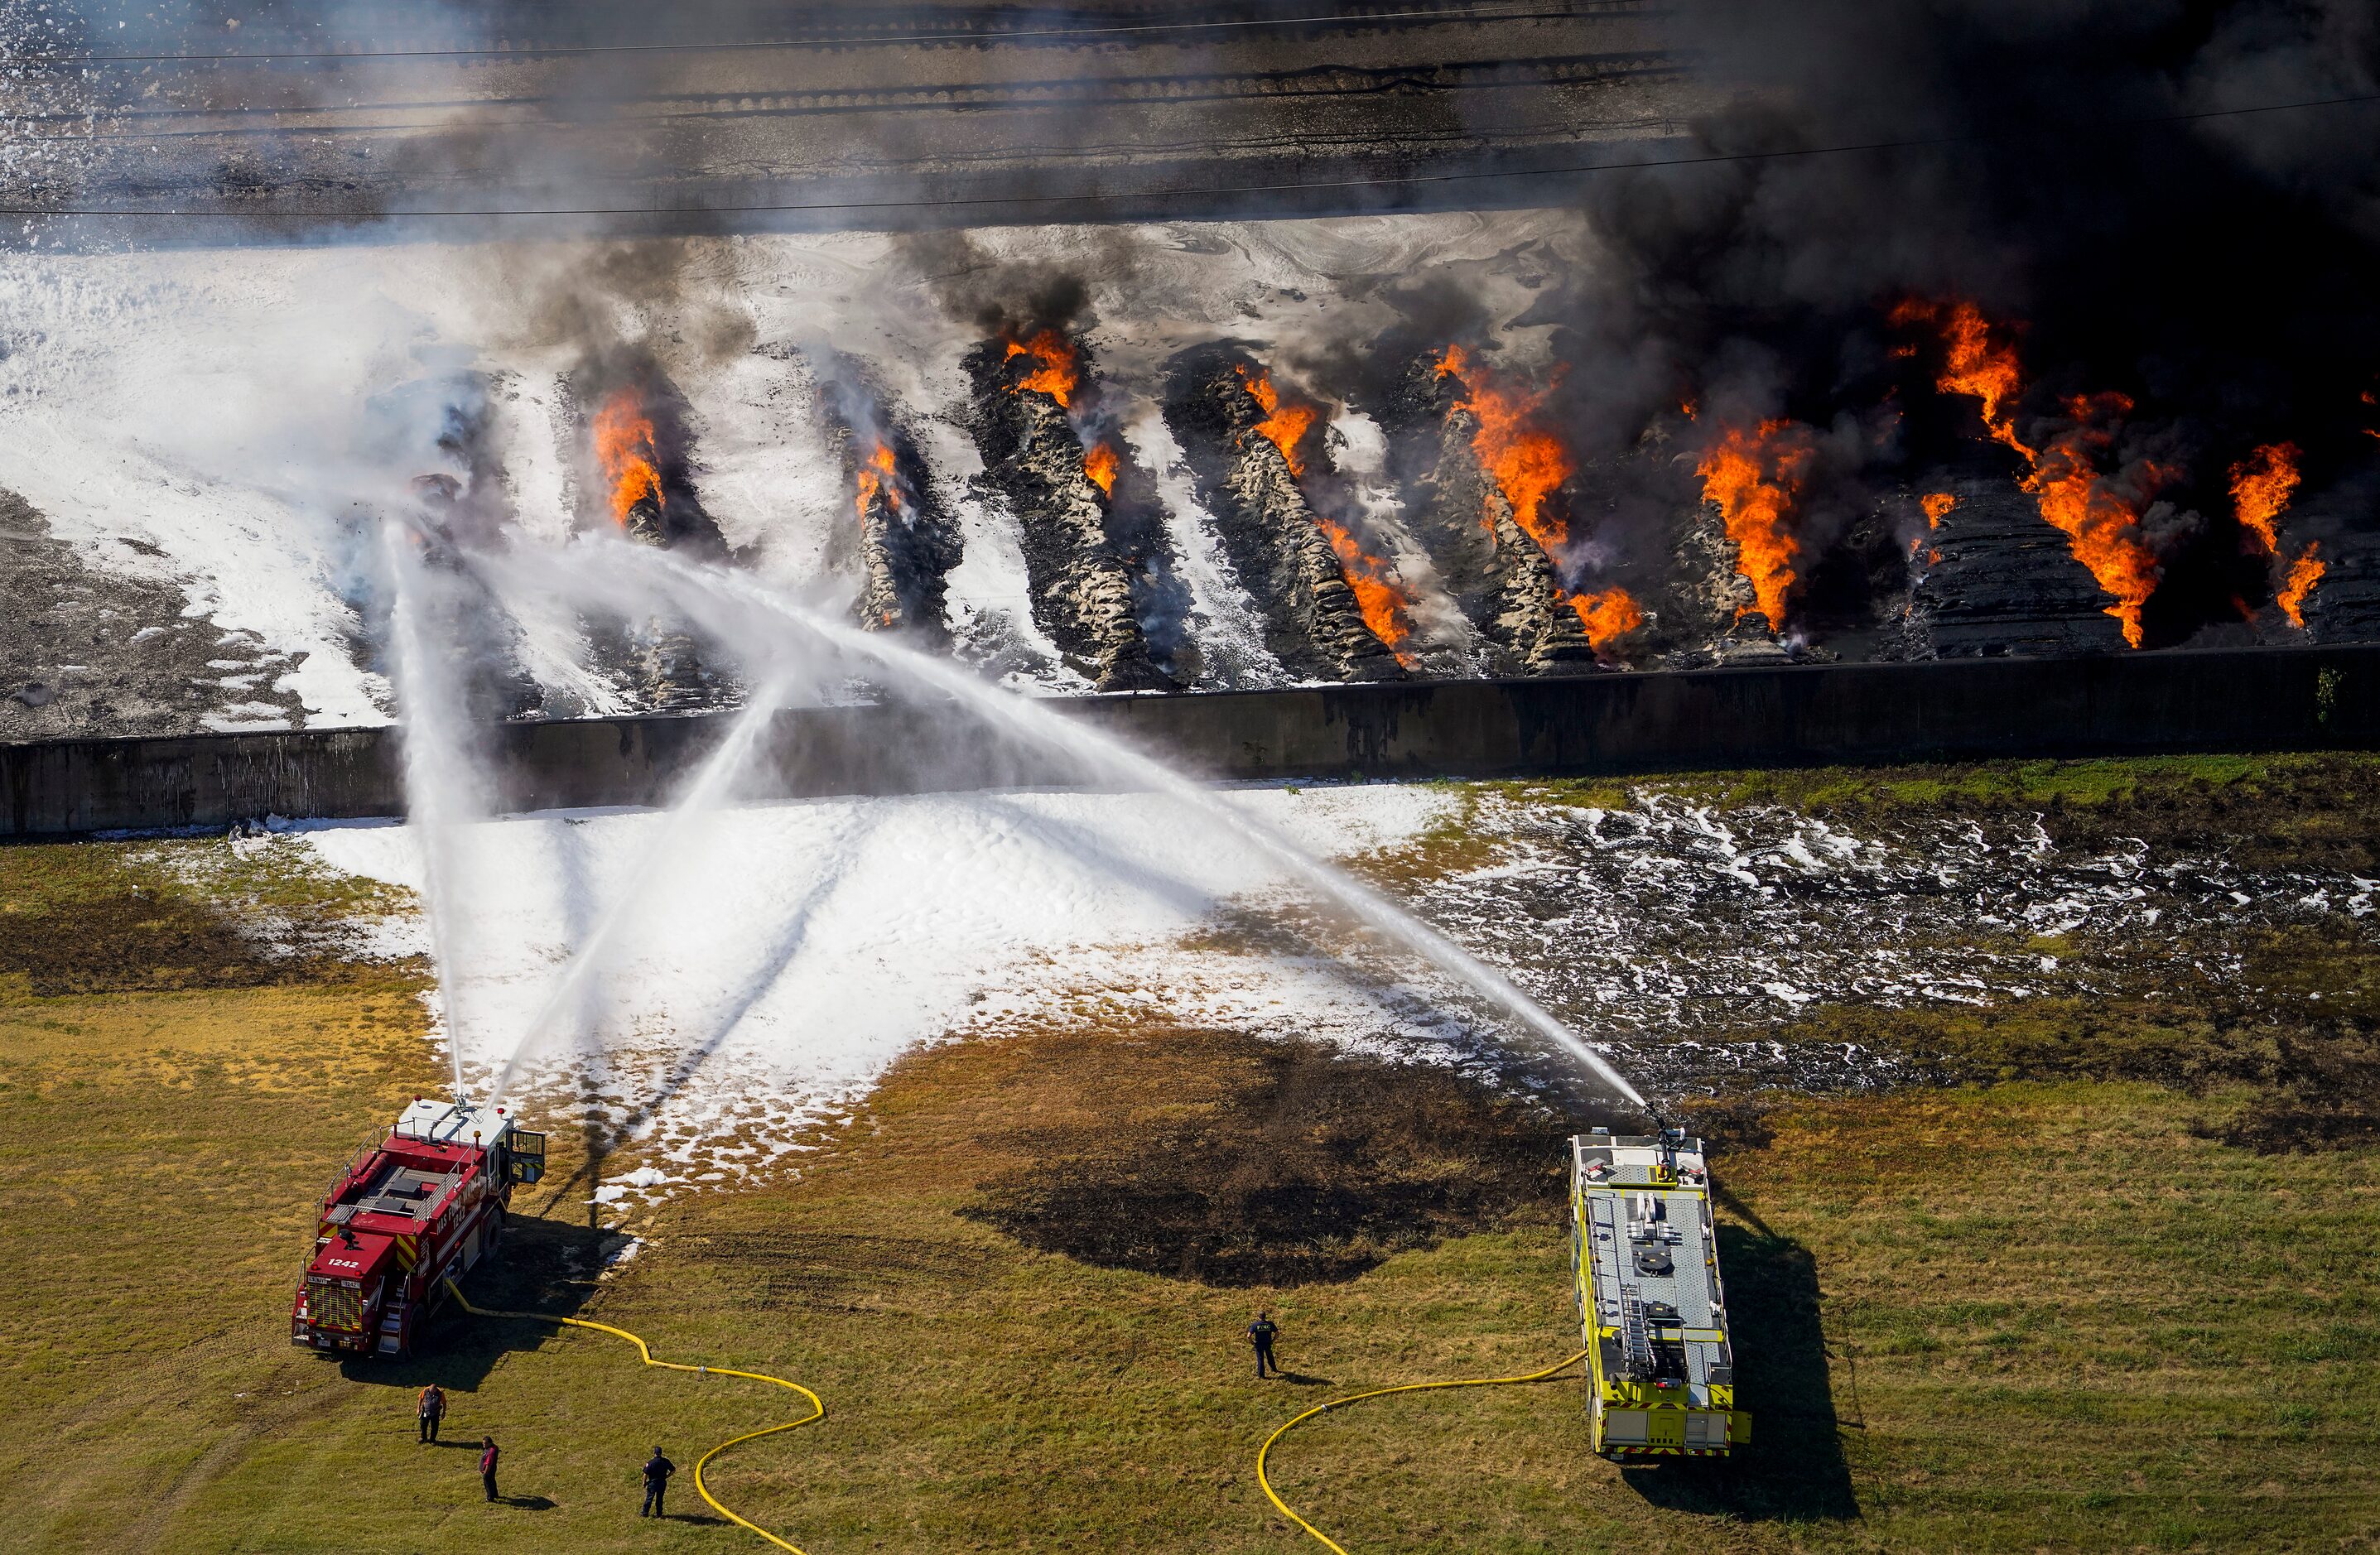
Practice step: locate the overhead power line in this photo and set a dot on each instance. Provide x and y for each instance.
(1207, 191)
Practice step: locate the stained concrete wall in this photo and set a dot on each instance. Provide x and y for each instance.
(2258, 699)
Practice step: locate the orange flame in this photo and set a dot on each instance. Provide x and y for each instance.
(623, 447)
(1754, 479)
(2304, 573)
(2261, 486)
(1937, 506)
(878, 475)
(1607, 616)
(1377, 594)
(1057, 371)
(1974, 365)
(1099, 463)
(1286, 425)
(2101, 524)
(1527, 463)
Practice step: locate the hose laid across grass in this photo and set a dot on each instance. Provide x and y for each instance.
(1262, 1453)
(818, 1405)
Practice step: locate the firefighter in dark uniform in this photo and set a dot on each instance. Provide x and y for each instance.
(1261, 1334)
(658, 1470)
(432, 1409)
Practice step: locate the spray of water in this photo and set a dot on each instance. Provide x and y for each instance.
(443, 792)
(710, 786)
(1037, 726)
(734, 604)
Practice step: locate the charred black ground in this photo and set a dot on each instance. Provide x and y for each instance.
(85, 648)
(1313, 1166)
(2272, 1023)
(110, 918)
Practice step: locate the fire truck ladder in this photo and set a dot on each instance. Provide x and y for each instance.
(818, 1405)
(1633, 1335)
(391, 1336)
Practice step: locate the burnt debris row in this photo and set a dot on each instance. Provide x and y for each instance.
(903, 540)
(1492, 492)
(1098, 563)
(1333, 608)
(637, 474)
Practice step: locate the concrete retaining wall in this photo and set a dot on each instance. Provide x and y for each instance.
(2257, 699)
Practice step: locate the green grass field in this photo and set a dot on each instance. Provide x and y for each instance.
(2050, 1311)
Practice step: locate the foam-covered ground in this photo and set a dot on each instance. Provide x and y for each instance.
(226, 422)
(782, 957)
(1667, 927)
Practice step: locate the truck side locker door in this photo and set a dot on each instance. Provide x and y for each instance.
(524, 1157)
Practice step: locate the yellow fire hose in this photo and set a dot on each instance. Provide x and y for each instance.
(818, 1405)
(1264, 1452)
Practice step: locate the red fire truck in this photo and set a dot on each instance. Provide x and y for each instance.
(410, 1213)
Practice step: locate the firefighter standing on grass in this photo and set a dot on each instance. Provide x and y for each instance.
(658, 1470)
(488, 1464)
(1261, 1334)
(432, 1409)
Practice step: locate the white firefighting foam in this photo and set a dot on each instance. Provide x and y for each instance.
(795, 950)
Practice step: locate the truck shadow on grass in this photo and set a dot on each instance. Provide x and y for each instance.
(1793, 1469)
(547, 1267)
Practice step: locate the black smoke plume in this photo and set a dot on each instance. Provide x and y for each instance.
(2040, 161)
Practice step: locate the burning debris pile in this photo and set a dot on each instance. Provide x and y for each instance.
(1792, 570)
(905, 543)
(2100, 511)
(1994, 579)
(1333, 606)
(639, 448)
(1097, 562)
(1490, 489)
(1662, 461)
(638, 476)
(1954, 490)
(1955, 398)
(2260, 487)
